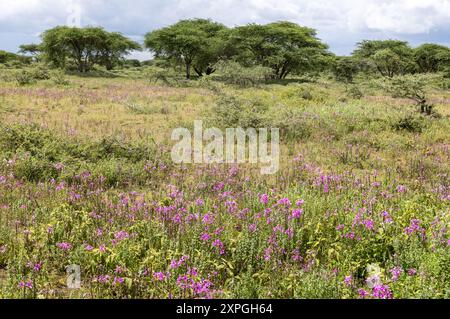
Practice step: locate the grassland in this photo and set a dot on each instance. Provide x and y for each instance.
(359, 208)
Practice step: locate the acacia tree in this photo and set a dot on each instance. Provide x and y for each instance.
(389, 57)
(84, 47)
(32, 49)
(285, 47)
(432, 58)
(114, 47)
(345, 68)
(194, 43)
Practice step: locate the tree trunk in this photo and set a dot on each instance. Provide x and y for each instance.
(188, 71)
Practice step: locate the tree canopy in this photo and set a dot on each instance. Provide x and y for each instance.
(85, 47)
(195, 43)
(389, 57)
(283, 46)
(432, 57)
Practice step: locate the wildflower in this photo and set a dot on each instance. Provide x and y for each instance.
(26, 284)
(362, 293)
(401, 189)
(159, 276)
(88, 248)
(300, 203)
(296, 255)
(205, 237)
(59, 167)
(175, 264)
(414, 227)
(369, 224)
(218, 244)
(297, 213)
(284, 202)
(387, 219)
(121, 235)
(37, 267)
(199, 202)
(208, 219)
(396, 272)
(103, 279)
(102, 248)
(264, 199)
(348, 281)
(412, 272)
(64, 246)
(382, 292)
(118, 280)
(252, 228)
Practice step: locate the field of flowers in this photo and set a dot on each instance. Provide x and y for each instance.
(359, 209)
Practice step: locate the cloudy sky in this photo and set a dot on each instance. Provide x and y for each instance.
(340, 23)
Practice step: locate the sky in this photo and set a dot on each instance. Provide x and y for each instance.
(340, 23)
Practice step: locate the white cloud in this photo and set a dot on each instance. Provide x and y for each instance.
(341, 23)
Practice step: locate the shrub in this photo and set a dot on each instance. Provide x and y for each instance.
(413, 87)
(59, 78)
(24, 77)
(410, 123)
(234, 111)
(355, 93)
(40, 72)
(235, 74)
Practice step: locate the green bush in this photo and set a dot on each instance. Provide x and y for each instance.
(235, 74)
(24, 77)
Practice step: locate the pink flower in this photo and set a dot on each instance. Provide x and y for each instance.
(401, 189)
(219, 245)
(26, 284)
(412, 272)
(300, 203)
(64, 246)
(103, 279)
(264, 199)
(348, 281)
(159, 276)
(205, 237)
(118, 280)
(382, 292)
(175, 264)
(396, 272)
(362, 293)
(284, 202)
(297, 213)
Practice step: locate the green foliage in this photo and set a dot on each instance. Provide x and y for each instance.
(24, 77)
(414, 87)
(85, 47)
(388, 57)
(236, 74)
(59, 78)
(285, 47)
(234, 111)
(345, 69)
(193, 43)
(432, 58)
(411, 123)
(355, 92)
